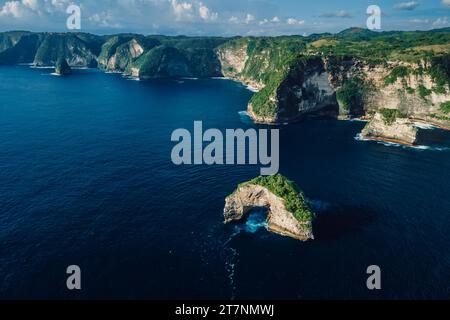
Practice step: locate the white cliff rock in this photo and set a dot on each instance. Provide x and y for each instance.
(401, 130)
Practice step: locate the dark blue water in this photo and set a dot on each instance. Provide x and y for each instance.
(86, 178)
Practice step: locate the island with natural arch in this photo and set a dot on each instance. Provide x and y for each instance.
(288, 211)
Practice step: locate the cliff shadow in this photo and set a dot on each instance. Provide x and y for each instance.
(337, 222)
(435, 137)
(330, 111)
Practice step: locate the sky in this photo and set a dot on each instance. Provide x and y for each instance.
(221, 17)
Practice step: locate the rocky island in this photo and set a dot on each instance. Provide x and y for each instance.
(288, 212)
(391, 125)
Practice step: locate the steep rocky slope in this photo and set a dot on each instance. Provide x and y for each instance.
(397, 130)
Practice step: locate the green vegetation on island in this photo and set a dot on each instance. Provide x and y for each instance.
(445, 107)
(295, 201)
(391, 115)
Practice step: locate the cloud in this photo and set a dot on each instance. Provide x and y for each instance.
(206, 14)
(233, 19)
(104, 20)
(446, 3)
(21, 9)
(182, 10)
(32, 4)
(411, 5)
(274, 20)
(337, 14)
(441, 22)
(293, 22)
(419, 21)
(249, 18)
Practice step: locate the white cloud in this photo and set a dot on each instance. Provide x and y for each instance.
(182, 10)
(105, 20)
(293, 22)
(19, 9)
(446, 3)
(275, 19)
(233, 19)
(249, 18)
(32, 4)
(206, 14)
(411, 5)
(441, 22)
(15, 9)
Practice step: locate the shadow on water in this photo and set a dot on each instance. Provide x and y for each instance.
(337, 222)
(434, 138)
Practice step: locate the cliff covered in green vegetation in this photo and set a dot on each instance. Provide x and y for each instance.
(353, 73)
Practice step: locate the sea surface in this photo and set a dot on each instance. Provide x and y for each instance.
(86, 179)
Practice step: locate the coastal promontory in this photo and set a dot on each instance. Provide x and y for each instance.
(288, 212)
(391, 125)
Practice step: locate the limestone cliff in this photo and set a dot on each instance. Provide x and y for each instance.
(398, 130)
(351, 74)
(280, 220)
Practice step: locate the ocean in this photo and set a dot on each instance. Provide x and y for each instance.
(86, 179)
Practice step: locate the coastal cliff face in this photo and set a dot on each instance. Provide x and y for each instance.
(399, 130)
(279, 220)
(351, 74)
(62, 67)
(160, 57)
(289, 83)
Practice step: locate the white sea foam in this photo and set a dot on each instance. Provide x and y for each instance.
(41, 67)
(252, 89)
(189, 78)
(398, 145)
(357, 120)
(245, 118)
(424, 126)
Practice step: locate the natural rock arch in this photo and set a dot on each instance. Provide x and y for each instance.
(279, 220)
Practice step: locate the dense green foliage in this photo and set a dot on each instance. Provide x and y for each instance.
(397, 72)
(424, 92)
(379, 47)
(391, 115)
(351, 94)
(445, 107)
(282, 187)
(269, 62)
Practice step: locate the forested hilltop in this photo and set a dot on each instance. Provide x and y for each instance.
(353, 73)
